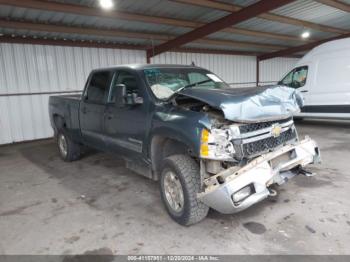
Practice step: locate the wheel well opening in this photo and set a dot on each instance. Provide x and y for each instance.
(59, 121)
(162, 147)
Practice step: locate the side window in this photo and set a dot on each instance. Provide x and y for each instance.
(296, 78)
(127, 79)
(196, 77)
(299, 77)
(98, 88)
(287, 80)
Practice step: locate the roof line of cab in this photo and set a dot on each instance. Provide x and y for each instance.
(145, 66)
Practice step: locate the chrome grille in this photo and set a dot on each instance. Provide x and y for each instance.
(257, 138)
(260, 146)
(256, 126)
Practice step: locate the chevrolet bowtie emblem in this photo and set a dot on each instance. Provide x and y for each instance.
(276, 130)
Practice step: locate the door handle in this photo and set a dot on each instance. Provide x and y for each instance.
(304, 91)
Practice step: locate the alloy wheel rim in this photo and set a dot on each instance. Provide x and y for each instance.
(62, 143)
(173, 191)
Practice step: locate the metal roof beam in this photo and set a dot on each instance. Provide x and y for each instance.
(268, 16)
(336, 4)
(88, 44)
(21, 25)
(127, 34)
(293, 50)
(212, 27)
(59, 42)
(88, 11)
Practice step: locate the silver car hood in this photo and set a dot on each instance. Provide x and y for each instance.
(250, 104)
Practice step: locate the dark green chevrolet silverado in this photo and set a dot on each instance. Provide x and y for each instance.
(208, 145)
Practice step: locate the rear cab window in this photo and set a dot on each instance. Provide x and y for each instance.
(295, 78)
(98, 87)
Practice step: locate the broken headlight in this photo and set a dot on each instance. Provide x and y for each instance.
(216, 144)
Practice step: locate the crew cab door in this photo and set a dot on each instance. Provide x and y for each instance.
(297, 79)
(126, 124)
(92, 108)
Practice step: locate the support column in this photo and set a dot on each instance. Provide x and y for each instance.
(257, 71)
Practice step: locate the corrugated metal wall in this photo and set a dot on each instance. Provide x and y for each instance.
(29, 69)
(231, 68)
(239, 71)
(274, 69)
(39, 69)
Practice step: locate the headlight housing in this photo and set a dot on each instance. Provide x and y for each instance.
(216, 144)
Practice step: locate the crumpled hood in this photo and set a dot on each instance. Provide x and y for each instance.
(250, 104)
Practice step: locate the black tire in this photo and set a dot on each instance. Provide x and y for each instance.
(73, 150)
(187, 172)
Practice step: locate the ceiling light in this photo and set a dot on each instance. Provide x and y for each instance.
(1, 34)
(305, 34)
(106, 4)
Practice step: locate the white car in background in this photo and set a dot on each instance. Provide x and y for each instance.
(323, 76)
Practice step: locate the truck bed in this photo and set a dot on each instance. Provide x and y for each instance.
(70, 96)
(66, 107)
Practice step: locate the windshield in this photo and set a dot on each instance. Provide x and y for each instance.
(164, 82)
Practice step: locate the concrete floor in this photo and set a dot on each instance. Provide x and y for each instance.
(95, 205)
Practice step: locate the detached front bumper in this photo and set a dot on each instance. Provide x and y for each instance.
(271, 168)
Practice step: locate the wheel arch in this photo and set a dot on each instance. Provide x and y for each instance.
(162, 146)
(59, 122)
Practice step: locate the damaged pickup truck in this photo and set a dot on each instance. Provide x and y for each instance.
(208, 145)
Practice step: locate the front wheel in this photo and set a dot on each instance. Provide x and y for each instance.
(68, 149)
(179, 185)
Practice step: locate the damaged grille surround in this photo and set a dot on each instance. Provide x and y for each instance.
(229, 143)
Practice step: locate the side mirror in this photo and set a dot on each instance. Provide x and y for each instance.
(120, 97)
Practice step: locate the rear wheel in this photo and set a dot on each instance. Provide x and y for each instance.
(68, 149)
(179, 185)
